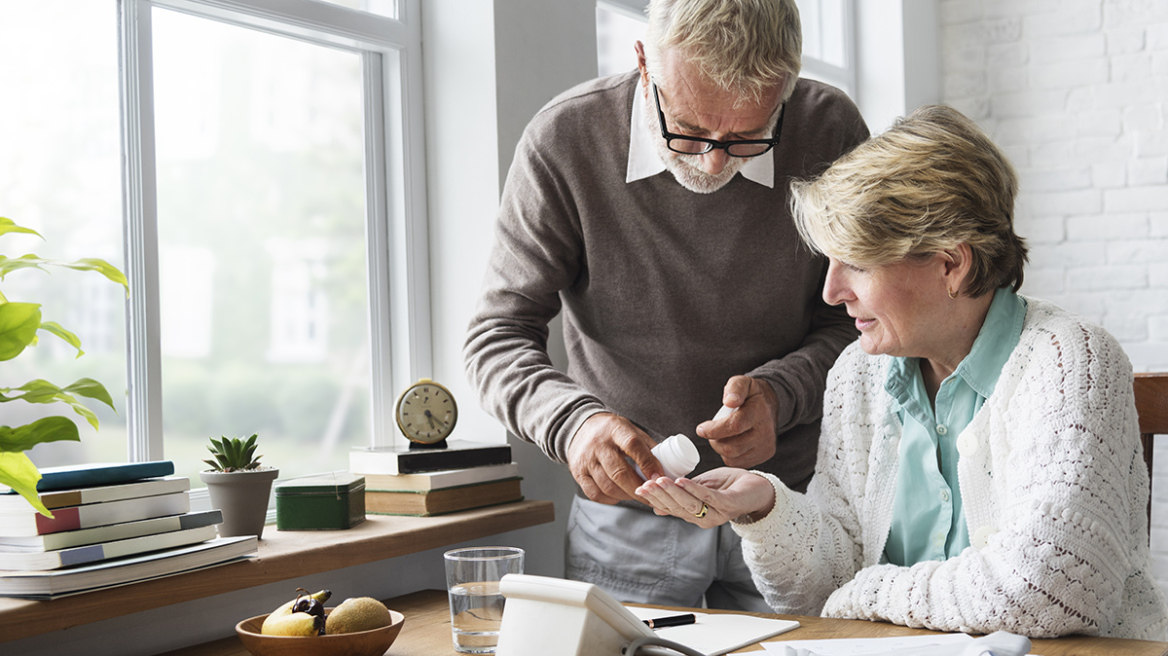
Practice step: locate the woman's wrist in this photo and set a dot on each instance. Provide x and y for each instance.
(765, 508)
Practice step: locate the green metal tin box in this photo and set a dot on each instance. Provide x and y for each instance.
(324, 502)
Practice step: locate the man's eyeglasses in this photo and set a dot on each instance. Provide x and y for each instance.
(698, 146)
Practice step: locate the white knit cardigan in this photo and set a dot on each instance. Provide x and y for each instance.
(1054, 488)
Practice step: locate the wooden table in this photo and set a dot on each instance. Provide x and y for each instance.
(427, 633)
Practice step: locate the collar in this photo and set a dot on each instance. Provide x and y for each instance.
(980, 369)
(645, 162)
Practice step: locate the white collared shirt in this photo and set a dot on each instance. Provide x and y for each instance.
(645, 162)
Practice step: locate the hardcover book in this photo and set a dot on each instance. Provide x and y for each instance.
(109, 532)
(398, 459)
(438, 480)
(19, 523)
(22, 561)
(50, 584)
(82, 495)
(70, 476)
(448, 500)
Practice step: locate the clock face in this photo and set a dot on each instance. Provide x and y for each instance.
(426, 412)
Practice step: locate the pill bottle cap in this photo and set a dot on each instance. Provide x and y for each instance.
(678, 455)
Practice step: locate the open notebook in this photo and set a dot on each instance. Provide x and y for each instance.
(717, 633)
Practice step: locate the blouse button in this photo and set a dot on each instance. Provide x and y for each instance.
(941, 429)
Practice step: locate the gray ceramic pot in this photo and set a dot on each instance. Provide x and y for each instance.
(243, 497)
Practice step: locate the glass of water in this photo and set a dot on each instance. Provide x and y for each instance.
(476, 605)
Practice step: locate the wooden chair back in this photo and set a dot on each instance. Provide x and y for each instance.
(1152, 407)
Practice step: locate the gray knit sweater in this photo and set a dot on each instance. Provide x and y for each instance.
(665, 293)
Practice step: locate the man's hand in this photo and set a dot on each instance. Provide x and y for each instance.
(597, 454)
(745, 437)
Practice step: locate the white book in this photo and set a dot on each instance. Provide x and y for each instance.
(12, 560)
(437, 480)
(109, 532)
(29, 522)
(50, 584)
(13, 502)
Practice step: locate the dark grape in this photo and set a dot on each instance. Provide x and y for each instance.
(308, 605)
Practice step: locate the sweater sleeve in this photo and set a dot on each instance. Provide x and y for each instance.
(537, 252)
(1062, 461)
(798, 378)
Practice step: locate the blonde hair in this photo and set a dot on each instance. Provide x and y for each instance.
(929, 183)
(743, 46)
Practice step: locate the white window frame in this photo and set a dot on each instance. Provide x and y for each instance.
(396, 226)
(844, 77)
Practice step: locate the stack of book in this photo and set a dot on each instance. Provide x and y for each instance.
(112, 524)
(428, 481)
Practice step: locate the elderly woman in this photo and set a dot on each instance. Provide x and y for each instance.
(979, 465)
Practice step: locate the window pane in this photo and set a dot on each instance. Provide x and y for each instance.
(617, 29)
(823, 30)
(59, 175)
(261, 206)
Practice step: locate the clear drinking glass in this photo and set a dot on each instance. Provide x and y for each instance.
(476, 605)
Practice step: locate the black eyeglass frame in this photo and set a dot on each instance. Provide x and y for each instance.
(713, 144)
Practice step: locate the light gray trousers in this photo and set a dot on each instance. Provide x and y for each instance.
(639, 557)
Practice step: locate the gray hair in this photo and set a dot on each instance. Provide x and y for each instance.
(743, 46)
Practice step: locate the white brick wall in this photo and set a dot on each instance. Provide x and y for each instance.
(1076, 92)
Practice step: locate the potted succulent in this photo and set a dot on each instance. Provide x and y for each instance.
(239, 485)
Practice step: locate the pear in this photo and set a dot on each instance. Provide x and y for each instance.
(294, 624)
(357, 614)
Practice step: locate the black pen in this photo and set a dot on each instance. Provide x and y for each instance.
(672, 620)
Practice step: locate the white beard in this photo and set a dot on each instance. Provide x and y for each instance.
(683, 167)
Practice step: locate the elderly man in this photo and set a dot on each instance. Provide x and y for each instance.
(651, 208)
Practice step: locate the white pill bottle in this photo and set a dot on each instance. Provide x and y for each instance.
(677, 454)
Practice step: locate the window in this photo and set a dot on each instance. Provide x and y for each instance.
(619, 24)
(829, 43)
(269, 224)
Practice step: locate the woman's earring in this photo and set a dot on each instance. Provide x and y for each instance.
(952, 294)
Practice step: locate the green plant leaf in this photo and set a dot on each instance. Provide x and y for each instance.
(18, 473)
(9, 264)
(42, 391)
(56, 329)
(8, 225)
(31, 261)
(101, 266)
(18, 326)
(91, 389)
(46, 429)
(16, 470)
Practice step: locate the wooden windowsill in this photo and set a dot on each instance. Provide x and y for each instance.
(282, 555)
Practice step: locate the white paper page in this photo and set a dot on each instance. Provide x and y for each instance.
(947, 644)
(866, 646)
(717, 633)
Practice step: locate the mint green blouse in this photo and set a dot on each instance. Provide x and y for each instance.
(927, 520)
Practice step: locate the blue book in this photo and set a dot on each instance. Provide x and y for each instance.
(101, 473)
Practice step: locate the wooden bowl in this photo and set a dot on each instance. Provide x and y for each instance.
(361, 643)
